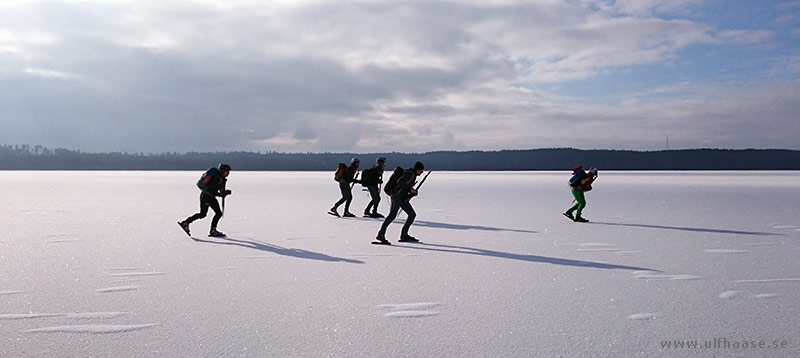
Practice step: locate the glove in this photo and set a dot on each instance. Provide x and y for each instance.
(225, 193)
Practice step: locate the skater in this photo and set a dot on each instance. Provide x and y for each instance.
(580, 182)
(402, 192)
(211, 184)
(347, 190)
(371, 178)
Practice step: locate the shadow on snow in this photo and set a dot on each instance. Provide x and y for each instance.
(521, 257)
(257, 245)
(693, 229)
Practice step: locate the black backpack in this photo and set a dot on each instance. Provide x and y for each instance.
(392, 182)
(207, 177)
(369, 177)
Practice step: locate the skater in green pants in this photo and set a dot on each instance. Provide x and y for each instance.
(580, 182)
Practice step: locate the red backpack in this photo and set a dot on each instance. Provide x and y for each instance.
(341, 170)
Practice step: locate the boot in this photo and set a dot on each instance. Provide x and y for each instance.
(407, 238)
(382, 240)
(185, 226)
(580, 219)
(215, 233)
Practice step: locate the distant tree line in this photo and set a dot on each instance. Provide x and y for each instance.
(26, 157)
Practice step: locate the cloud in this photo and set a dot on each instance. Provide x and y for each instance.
(45, 73)
(649, 8)
(357, 75)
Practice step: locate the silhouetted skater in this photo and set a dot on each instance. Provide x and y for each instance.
(402, 190)
(580, 182)
(211, 184)
(347, 189)
(371, 178)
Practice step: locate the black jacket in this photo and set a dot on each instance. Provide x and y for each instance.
(212, 183)
(349, 176)
(405, 183)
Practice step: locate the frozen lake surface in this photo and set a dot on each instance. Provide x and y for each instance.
(94, 264)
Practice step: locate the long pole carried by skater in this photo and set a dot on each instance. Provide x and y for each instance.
(423, 180)
(355, 177)
(419, 185)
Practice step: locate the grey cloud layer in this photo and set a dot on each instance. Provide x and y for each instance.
(361, 76)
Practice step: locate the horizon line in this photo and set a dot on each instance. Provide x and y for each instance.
(28, 148)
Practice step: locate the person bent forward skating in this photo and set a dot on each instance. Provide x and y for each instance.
(346, 188)
(401, 195)
(580, 182)
(372, 178)
(211, 184)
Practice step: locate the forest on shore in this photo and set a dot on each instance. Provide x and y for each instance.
(26, 157)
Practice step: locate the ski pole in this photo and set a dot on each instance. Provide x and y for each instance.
(423, 180)
(419, 185)
(355, 177)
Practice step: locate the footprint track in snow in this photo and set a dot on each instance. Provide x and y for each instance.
(764, 243)
(769, 280)
(63, 241)
(8, 293)
(650, 275)
(600, 247)
(737, 294)
(411, 310)
(126, 268)
(766, 295)
(730, 294)
(116, 289)
(136, 274)
(643, 316)
(78, 315)
(627, 252)
(93, 328)
(725, 251)
(84, 328)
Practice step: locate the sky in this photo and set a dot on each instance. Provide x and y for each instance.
(408, 76)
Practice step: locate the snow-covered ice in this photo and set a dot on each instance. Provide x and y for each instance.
(94, 264)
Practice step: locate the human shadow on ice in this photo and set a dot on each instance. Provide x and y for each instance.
(299, 253)
(521, 257)
(695, 229)
(465, 227)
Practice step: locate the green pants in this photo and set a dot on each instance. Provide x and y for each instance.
(581, 202)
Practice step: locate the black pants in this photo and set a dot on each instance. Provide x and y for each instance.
(347, 196)
(399, 202)
(375, 193)
(206, 201)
